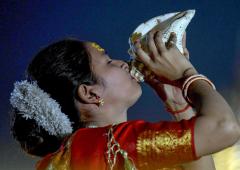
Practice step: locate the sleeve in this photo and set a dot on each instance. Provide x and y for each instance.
(162, 144)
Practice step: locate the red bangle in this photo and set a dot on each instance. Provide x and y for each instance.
(174, 112)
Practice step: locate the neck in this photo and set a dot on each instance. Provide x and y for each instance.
(105, 116)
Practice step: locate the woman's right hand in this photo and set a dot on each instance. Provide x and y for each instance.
(167, 63)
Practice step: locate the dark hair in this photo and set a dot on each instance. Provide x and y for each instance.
(58, 69)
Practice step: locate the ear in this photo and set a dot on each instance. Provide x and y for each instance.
(88, 93)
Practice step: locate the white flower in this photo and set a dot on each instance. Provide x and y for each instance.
(34, 103)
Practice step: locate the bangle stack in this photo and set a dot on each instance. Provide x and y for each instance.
(192, 79)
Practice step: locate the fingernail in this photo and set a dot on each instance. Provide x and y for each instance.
(138, 45)
(136, 41)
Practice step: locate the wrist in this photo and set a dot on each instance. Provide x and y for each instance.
(189, 72)
(188, 114)
(175, 108)
(186, 74)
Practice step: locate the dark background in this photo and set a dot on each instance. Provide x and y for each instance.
(213, 39)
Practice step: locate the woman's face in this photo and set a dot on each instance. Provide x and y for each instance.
(119, 86)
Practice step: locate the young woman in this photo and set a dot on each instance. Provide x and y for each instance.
(95, 92)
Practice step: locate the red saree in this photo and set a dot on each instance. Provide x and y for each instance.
(153, 146)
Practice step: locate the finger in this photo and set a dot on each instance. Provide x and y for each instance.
(161, 92)
(148, 74)
(158, 86)
(159, 42)
(151, 44)
(184, 40)
(172, 40)
(142, 55)
(154, 82)
(186, 53)
(185, 50)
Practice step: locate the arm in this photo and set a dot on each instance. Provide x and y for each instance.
(205, 162)
(216, 121)
(175, 103)
(216, 127)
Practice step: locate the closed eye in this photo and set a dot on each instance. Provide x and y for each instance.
(109, 61)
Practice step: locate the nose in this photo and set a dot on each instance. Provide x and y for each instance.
(125, 66)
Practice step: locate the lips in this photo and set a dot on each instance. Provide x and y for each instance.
(131, 76)
(134, 78)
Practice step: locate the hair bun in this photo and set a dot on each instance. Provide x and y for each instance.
(33, 138)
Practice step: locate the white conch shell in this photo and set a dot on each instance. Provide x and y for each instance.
(172, 22)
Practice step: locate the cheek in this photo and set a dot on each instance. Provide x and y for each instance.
(119, 84)
(121, 89)
(117, 77)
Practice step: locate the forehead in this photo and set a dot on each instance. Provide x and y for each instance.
(97, 53)
(96, 46)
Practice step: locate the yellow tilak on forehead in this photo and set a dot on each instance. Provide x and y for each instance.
(98, 47)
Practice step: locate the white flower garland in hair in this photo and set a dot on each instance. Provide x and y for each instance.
(34, 103)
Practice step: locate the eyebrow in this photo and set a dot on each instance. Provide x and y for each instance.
(103, 52)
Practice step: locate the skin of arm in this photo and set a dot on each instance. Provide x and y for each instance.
(216, 123)
(175, 101)
(216, 126)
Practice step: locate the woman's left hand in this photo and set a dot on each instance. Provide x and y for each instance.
(171, 95)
